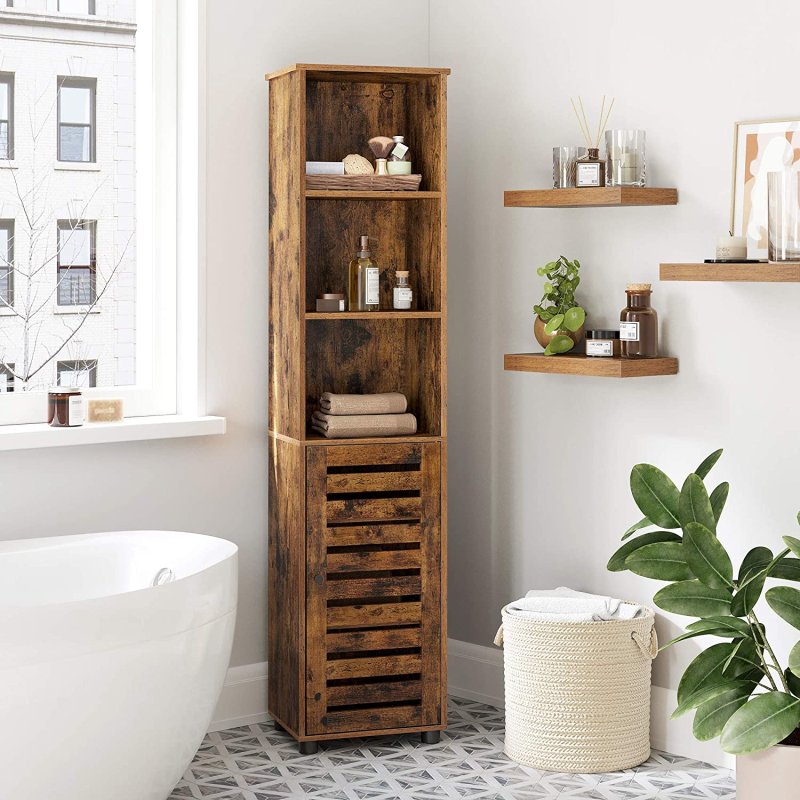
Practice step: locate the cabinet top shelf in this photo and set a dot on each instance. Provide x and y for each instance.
(373, 315)
(345, 194)
(345, 72)
(749, 273)
(605, 196)
(591, 366)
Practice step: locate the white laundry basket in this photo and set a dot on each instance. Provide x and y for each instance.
(578, 693)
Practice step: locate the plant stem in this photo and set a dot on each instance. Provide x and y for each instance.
(755, 626)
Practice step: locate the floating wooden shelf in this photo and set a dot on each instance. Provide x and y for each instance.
(751, 273)
(344, 194)
(587, 365)
(376, 315)
(587, 198)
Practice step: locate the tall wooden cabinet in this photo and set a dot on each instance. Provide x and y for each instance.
(357, 577)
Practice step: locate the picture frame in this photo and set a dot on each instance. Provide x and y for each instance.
(759, 147)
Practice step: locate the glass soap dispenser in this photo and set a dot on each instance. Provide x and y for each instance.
(363, 285)
(400, 157)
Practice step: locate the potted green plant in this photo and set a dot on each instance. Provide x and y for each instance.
(736, 686)
(559, 322)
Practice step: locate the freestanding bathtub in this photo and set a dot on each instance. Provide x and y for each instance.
(107, 681)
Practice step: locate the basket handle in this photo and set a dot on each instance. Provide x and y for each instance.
(498, 638)
(649, 649)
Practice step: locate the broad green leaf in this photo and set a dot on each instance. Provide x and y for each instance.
(756, 560)
(787, 569)
(754, 569)
(785, 602)
(718, 498)
(561, 344)
(711, 717)
(663, 561)
(792, 681)
(554, 324)
(637, 526)
(617, 562)
(574, 318)
(793, 544)
(736, 626)
(708, 463)
(794, 660)
(706, 556)
(695, 505)
(723, 633)
(760, 723)
(709, 693)
(548, 351)
(656, 495)
(704, 671)
(743, 660)
(693, 599)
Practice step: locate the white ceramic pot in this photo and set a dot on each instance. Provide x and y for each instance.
(773, 774)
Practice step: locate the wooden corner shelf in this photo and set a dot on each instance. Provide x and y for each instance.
(591, 366)
(749, 273)
(374, 315)
(606, 196)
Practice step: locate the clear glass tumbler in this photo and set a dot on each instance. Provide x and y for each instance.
(625, 158)
(783, 212)
(564, 159)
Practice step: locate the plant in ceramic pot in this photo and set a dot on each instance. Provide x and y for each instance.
(559, 322)
(736, 687)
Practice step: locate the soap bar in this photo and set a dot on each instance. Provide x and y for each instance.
(105, 410)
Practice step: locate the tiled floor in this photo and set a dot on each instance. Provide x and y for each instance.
(258, 763)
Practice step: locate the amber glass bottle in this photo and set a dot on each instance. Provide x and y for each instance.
(363, 289)
(638, 329)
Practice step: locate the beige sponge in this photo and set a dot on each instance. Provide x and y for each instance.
(357, 165)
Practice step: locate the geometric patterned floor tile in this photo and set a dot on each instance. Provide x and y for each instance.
(257, 762)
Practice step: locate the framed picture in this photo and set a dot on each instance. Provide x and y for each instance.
(759, 147)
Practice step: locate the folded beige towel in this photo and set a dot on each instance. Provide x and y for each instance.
(363, 425)
(346, 404)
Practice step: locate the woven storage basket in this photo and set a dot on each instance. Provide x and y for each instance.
(578, 693)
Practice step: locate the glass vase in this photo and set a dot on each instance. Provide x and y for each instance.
(564, 159)
(625, 158)
(783, 215)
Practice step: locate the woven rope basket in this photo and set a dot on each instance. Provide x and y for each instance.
(578, 693)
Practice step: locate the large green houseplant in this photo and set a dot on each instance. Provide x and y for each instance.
(737, 687)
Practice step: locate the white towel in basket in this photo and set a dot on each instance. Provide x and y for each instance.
(567, 605)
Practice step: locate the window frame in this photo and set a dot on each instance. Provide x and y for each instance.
(74, 365)
(77, 225)
(8, 225)
(7, 371)
(90, 5)
(69, 82)
(8, 79)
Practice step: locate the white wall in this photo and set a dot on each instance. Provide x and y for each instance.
(539, 464)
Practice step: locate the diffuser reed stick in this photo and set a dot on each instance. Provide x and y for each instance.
(583, 121)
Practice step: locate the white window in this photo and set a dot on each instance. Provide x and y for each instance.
(76, 119)
(96, 271)
(6, 117)
(6, 264)
(6, 378)
(76, 6)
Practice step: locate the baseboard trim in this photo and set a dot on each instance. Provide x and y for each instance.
(475, 672)
(244, 698)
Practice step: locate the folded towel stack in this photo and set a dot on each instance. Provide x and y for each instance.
(346, 416)
(567, 605)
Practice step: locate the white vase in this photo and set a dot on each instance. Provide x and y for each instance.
(773, 774)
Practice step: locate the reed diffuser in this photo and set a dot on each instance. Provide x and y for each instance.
(590, 170)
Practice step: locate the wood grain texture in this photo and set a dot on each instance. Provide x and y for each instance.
(286, 582)
(367, 693)
(323, 194)
(370, 560)
(344, 668)
(379, 510)
(335, 72)
(749, 273)
(374, 615)
(372, 535)
(353, 641)
(286, 256)
(403, 481)
(401, 315)
(592, 197)
(375, 720)
(594, 367)
(367, 588)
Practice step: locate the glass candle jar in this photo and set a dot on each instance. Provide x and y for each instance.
(783, 214)
(602, 344)
(65, 407)
(638, 327)
(564, 159)
(625, 154)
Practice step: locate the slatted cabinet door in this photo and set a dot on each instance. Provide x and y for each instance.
(373, 616)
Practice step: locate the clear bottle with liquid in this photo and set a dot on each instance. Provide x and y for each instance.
(399, 158)
(402, 294)
(363, 286)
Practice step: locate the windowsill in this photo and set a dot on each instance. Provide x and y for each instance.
(83, 310)
(134, 429)
(6, 164)
(5, 311)
(78, 166)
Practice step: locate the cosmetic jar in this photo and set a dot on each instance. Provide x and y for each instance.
(65, 407)
(602, 344)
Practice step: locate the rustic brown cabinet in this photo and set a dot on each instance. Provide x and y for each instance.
(357, 578)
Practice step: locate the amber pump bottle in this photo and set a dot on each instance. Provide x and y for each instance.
(363, 285)
(638, 328)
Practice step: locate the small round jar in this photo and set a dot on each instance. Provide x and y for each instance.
(602, 344)
(65, 407)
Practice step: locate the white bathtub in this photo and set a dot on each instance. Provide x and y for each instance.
(108, 684)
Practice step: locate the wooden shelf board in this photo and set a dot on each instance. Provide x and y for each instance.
(346, 72)
(587, 365)
(750, 273)
(375, 315)
(345, 194)
(587, 198)
(317, 439)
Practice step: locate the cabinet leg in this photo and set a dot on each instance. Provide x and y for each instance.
(431, 737)
(309, 748)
